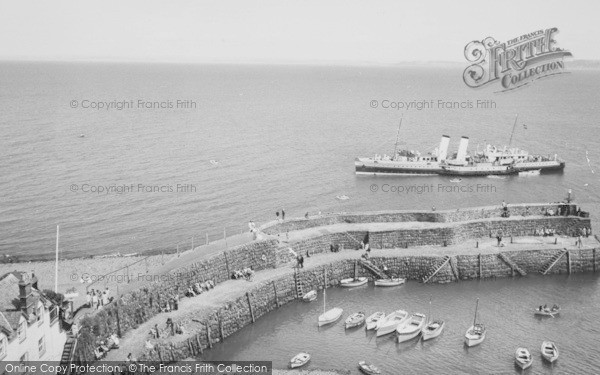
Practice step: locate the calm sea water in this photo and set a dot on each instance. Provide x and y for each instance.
(506, 307)
(284, 137)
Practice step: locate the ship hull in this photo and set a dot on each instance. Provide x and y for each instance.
(370, 167)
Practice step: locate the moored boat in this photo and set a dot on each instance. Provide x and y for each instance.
(330, 316)
(476, 333)
(374, 319)
(368, 368)
(391, 322)
(355, 320)
(353, 282)
(411, 328)
(523, 358)
(433, 328)
(310, 296)
(549, 351)
(299, 360)
(394, 281)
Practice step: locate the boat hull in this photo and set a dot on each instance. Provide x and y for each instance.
(473, 339)
(354, 321)
(371, 323)
(411, 328)
(431, 334)
(310, 296)
(353, 283)
(390, 282)
(523, 358)
(391, 322)
(549, 356)
(300, 360)
(330, 316)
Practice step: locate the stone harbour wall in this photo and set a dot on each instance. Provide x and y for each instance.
(445, 216)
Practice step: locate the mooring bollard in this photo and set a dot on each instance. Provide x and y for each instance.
(477, 245)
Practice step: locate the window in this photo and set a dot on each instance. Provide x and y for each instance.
(40, 314)
(42, 346)
(3, 344)
(22, 331)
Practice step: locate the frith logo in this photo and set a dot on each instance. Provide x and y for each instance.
(514, 63)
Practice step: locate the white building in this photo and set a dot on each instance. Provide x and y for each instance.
(30, 327)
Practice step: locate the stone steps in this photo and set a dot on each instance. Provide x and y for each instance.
(514, 266)
(68, 351)
(552, 262)
(437, 269)
(373, 269)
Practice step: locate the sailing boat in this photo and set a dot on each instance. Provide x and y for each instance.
(433, 328)
(476, 334)
(332, 315)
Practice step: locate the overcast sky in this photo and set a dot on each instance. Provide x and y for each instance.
(345, 31)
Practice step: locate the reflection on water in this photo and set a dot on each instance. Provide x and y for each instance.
(506, 308)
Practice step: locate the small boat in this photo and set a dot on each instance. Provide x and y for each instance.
(535, 172)
(328, 316)
(299, 360)
(342, 197)
(355, 320)
(496, 177)
(310, 296)
(456, 180)
(523, 358)
(476, 333)
(546, 311)
(433, 328)
(82, 135)
(351, 283)
(368, 368)
(374, 320)
(411, 328)
(391, 322)
(394, 281)
(549, 351)
(214, 162)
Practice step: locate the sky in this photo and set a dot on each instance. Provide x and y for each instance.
(289, 31)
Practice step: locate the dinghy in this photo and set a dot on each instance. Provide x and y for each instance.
(476, 333)
(394, 281)
(411, 328)
(368, 368)
(433, 328)
(391, 322)
(455, 180)
(374, 320)
(299, 360)
(214, 162)
(328, 316)
(523, 358)
(546, 311)
(355, 320)
(310, 296)
(351, 283)
(342, 197)
(549, 351)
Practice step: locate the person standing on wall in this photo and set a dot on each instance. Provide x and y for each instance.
(282, 214)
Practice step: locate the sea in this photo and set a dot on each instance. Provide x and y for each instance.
(129, 158)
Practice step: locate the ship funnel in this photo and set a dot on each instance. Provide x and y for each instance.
(443, 150)
(462, 149)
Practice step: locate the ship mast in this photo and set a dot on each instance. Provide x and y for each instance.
(513, 130)
(397, 138)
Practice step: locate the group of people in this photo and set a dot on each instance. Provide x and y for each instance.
(199, 288)
(97, 298)
(246, 273)
(282, 214)
(104, 347)
(545, 308)
(172, 328)
(545, 232)
(172, 304)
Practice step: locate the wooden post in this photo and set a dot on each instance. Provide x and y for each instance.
(250, 306)
(555, 240)
(118, 319)
(511, 239)
(480, 266)
(594, 258)
(275, 291)
(221, 328)
(208, 335)
(569, 261)
(477, 245)
(355, 269)
(227, 264)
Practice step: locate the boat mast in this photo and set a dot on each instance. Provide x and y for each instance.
(513, 130)
(397, 138)
(429, 314)
(475, 318)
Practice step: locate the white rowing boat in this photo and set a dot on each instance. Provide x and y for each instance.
(549, 351)
(374, 319)
(411, 328)
(523, 358)
(310, 296)
(368, 368)
(299, 360)
(351, 283)
(433, 328)
(355, 320)
(394, 281)
(391, 322)
(546, 311)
